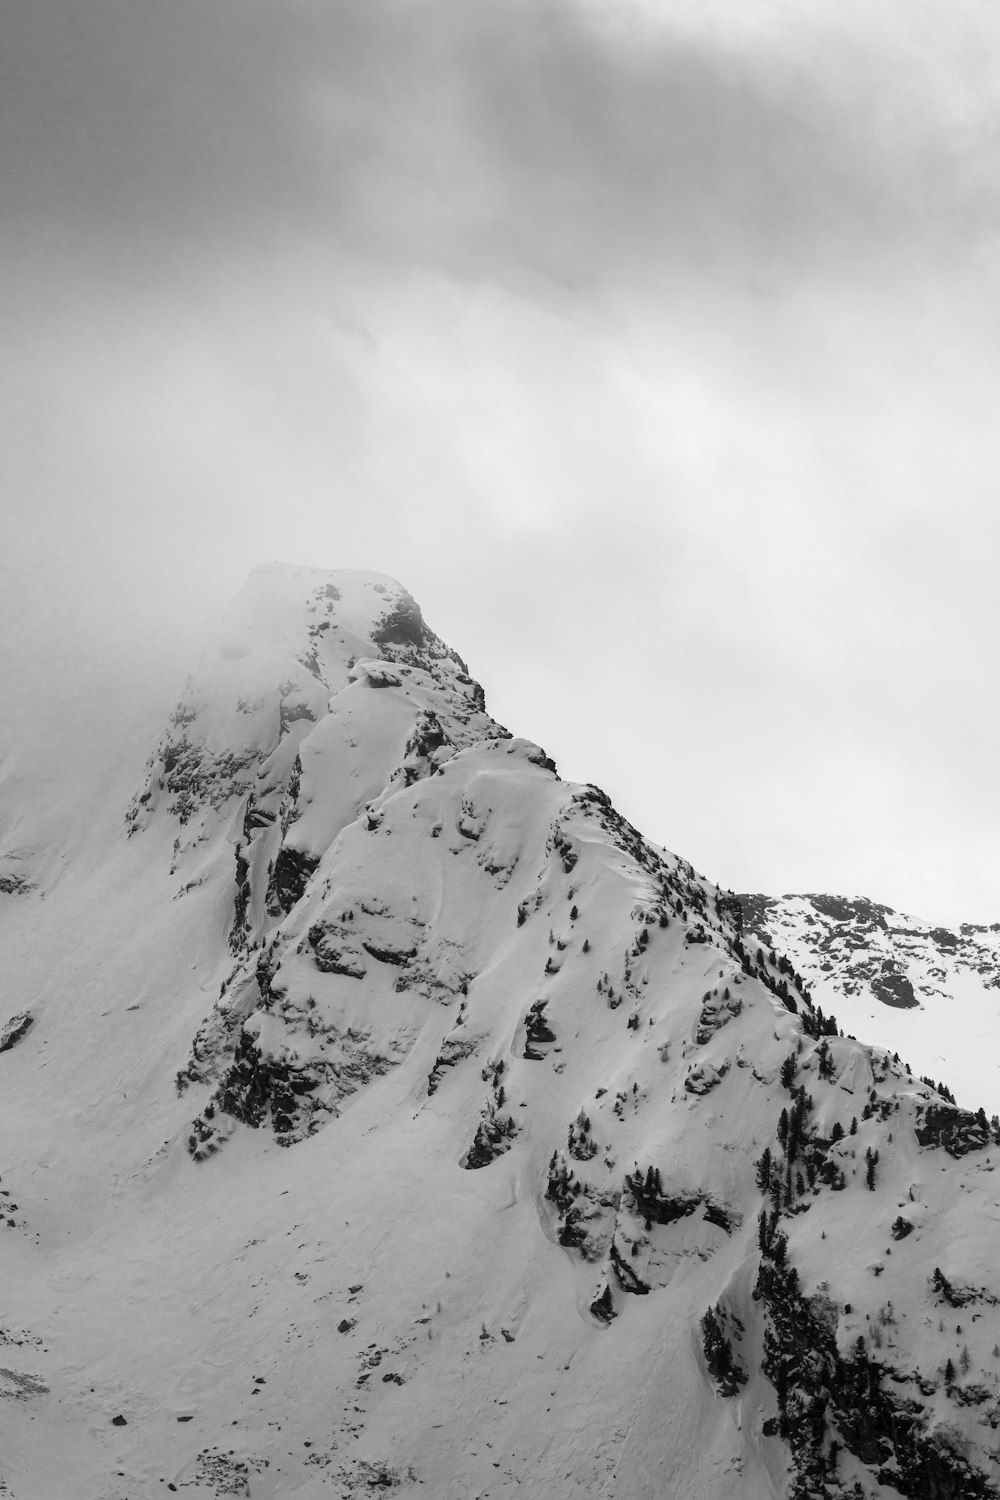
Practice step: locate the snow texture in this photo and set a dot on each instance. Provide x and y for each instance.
(394, 1117)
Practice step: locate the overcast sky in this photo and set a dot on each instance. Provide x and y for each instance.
(654, 347)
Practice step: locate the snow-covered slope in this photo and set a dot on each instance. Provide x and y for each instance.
(930, 993)
(393, 1116)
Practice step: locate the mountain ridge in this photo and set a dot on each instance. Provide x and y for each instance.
(411, 1122)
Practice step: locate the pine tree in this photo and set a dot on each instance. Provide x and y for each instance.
(764, 1170)
(825, 1059)
(871, 1162)
(718, 1354)
(786, 1073)
(783, 1127)
(763, 1237)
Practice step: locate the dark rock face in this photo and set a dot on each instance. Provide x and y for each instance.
(289, 713)
(294, 1100)
(602, 1307)
(246, 1089)
(254, 1084)
(389, 955)
(292, 870)
(15, 1029)
(493, 1138)
(195, 777)
(892, 986)
(860, 912)
(332, 953)
(537, 1031)
(716, 1011)
(660, 1207)
(958, 1131)
(241, 901)
(755, 910)
(579, 1209)
(717, 1348)
(628, 1279)
(426, 737)
(888, 1417)
(959, 1296)
(401, 626)
(452, 1051)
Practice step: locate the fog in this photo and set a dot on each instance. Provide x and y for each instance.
(652, 348)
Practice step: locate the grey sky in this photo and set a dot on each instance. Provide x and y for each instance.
(654, 348)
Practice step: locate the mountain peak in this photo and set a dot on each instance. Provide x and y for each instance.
(279, 603)
(385, 1112)
(298, 649)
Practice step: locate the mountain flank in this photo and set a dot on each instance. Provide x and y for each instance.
(394, 1116)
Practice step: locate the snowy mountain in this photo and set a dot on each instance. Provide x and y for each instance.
(930, 992)
(383, 1113)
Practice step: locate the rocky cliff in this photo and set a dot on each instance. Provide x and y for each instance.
(394, 1116)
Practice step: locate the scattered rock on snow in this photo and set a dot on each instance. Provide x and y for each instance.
(15, 1029)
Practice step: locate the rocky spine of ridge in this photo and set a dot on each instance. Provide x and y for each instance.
(349, 967)
(246, 736)
(590, 1135)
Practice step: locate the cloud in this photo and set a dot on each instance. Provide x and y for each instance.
(495, 139)
(645, 343)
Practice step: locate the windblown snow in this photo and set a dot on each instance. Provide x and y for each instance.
(383, 1113)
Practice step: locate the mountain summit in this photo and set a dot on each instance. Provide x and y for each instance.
(383, 1113)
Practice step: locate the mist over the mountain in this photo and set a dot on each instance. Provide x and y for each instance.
(647, 341)
(521, 1022)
